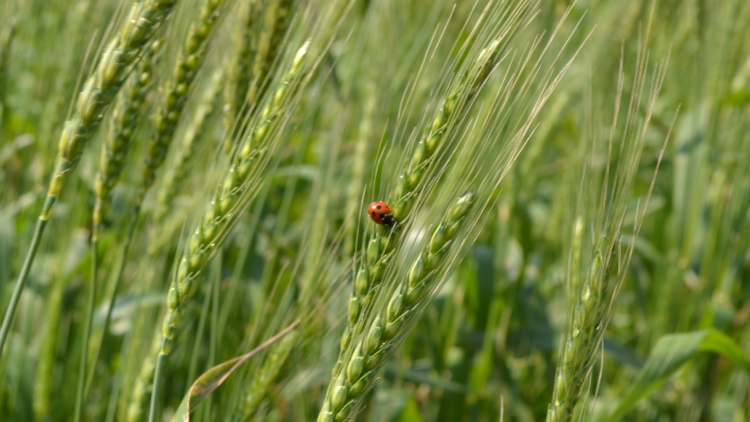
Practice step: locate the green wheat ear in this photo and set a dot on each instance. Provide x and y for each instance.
(360, 368)
(125, 118)
(257, 51)
(113, 66)
(593, 295)
(380, 250)
(176, 90)
(178, 171)
(219, 215)
(239, 185)
(264, 378)
(275, 27)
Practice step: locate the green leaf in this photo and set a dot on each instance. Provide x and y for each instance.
(410, 412)
(671, 352)
(214, 377)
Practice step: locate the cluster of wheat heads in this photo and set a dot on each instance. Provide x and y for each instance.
(242, 146)
(386, 300)
(594, 286)
(112, 68)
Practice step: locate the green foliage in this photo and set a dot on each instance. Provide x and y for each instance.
(673, 351)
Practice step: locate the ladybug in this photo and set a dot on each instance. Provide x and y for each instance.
(380, 213)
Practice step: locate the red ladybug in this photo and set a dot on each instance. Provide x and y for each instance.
(380, 213)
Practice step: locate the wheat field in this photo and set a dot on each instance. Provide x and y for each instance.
(190, 227)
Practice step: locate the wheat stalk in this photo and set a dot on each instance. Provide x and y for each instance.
(144, 382)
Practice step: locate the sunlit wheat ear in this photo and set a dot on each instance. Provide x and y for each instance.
(100, 88)
(127, 113)
(239, 185)
(177, 171)
(240, 181)
(175, 91)
(380, 249)
(360, 368)
(597, 290)
(113, 66)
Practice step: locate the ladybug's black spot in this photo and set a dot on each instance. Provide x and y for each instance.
(373, 213)
(378, 207)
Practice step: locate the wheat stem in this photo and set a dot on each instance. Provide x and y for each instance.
(144, 383)
(16, 296)
(90, 301)
(160, 359)
(113, 295)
